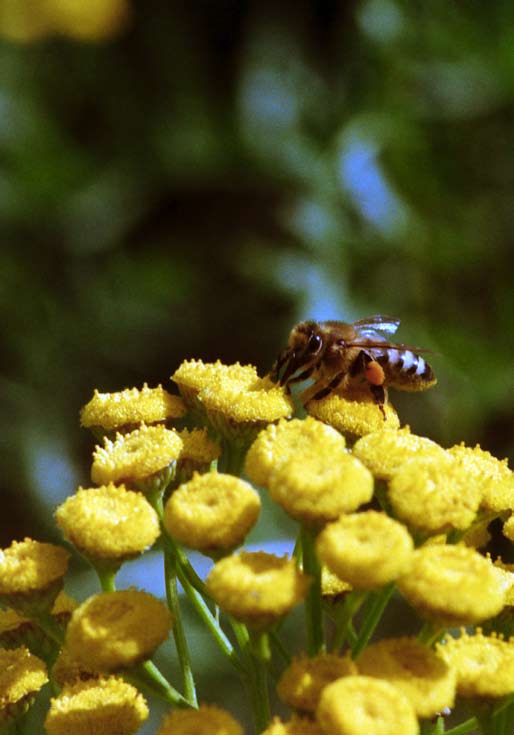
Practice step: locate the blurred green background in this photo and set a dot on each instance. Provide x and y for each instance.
(189, 180)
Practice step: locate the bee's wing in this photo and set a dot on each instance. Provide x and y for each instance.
(371, 324)
(385, 345)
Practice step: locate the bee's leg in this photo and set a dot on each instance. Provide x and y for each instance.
(279, 364)
(358, 366)
(379, 393)
(338, 377)
(303, 376)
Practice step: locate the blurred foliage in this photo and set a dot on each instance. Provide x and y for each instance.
(208, 173)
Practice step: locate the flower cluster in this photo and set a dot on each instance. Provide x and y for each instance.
(387, 520)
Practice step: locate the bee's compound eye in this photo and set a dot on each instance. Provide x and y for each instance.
(314, 343)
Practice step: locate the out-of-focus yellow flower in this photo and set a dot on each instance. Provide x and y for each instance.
(112, 630)
(131, 407)
(478, 535)
(198, 451)
(317, 488)
(484, 664)
(295, 726)
(257, 588)
(495, 478)
(286, 440)
(301, 684)
(206, 720)
(67, 670)
(21, 676)
(17, 630)
(384, 452)
(332, 586)
(108, 522)
(453, 585)
(423, 676)
(434, 494)
(507, 571)
(354, 415)
(108, 705)
(356, 705)
(212, 513)
(31, 575)
(353, 548)
(508, 528)
(136, 456)
(23, 21)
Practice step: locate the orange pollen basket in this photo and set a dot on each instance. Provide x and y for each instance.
(374, 373)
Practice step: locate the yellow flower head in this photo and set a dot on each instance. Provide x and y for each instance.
(206, 720)
(508, 528)
(434, 494)
(507, 572)
(21, 676)
(112, 630)
(484, 664)
(212, 512)
(198, 451)
(135, 456)
(384, 452)
(108, 522)
(494, 477)
(108, 705)
(332, 586)
(353, 548)
(295, 726)
(193, 376)
(257, 588)
(31, 574)
(356, 705)
(131, 407)
(286, 440)
(423, 676)
(67, 670)
(353, 415)
(453, 585)
(301, 684)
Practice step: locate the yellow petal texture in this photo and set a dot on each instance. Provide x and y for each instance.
(434, 494)
(94, 707)
(423, 676)
(21, 674)
(358, 705)
(195, 375)
(131, 406)
(332, 585)
(257, 587)
(484, 664)
(295, 726)
(135, 456)
(27, 566)
(301, 684)
(116, 629)
(206, 720)
(384, 452)
(261, 402)
(198, 446)
(214, 511)
(453, 585)
(495, 478)
(286, 440)
(108, 522)
(354, 549)
(67, 670)
(353, 417)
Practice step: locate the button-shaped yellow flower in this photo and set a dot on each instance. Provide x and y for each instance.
(130, 407)
(21, 676)
(108, 705)
(256, 587)
(198, 451)
(356, 705)
(422, 675)
(113, 630)
(108, 522)
(301, 684)
(353, 548)
(206, 720)
(295, 726)
(484, 664)
(453, 585)
(212, 512)
(495, 478)
(384, 452)
(286, 440)
(135, 456)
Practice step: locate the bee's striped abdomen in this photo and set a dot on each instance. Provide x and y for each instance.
(405, 369)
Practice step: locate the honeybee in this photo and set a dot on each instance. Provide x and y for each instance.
(337, 354)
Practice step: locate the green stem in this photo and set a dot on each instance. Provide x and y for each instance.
(348, 609)
(313, 601)
(379, 602)
(232, 458)
(259, 675)
(51, 628)
(106, 572)
(464, 727)
(282, 650)
(429, 634)
(147, 675)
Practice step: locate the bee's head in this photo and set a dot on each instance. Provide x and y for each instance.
(305, 344)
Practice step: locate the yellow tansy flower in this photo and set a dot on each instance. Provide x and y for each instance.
(212, 512)
(21, 676)
(193, 376)
(131, 407)
(453, 585)
(257, 588)
(484, 664)
(301, 684)
(295, 726)
(495, 478)
(434, 494)
(333, 586)
(31, 574)
(112, 630)
(206, 720)
(287, 440)
(108, 705)
(384, 452)
(353, 548)
(316, 488)
(108, 522)
(507, 571)
(356, 705)
(423, 676)
(136, 456)
(67, 669)
(95, 20)
(198, 451)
